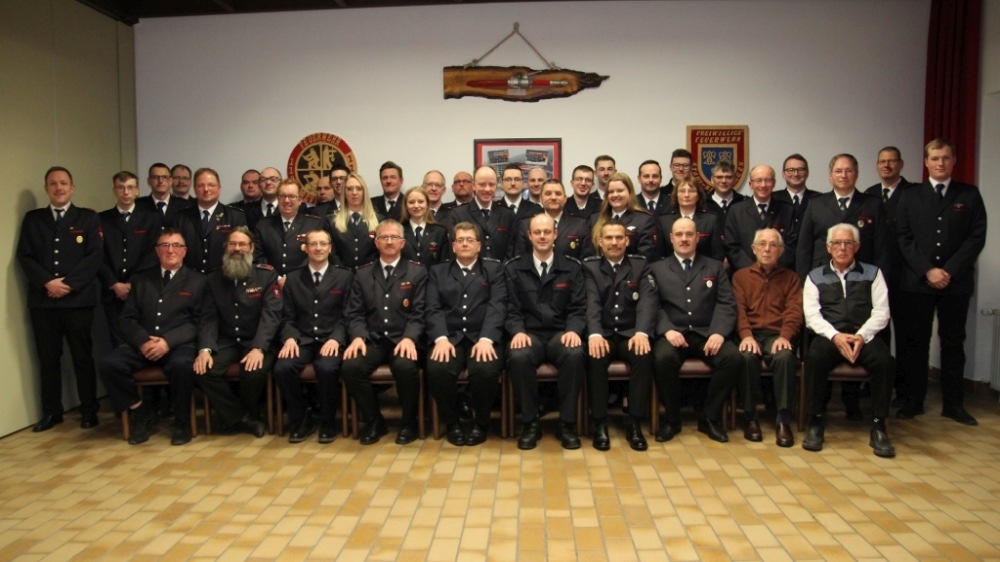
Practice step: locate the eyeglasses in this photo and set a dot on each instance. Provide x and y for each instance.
(796, 170)
(171, 245)
(235, 244)
(434, 184)
(318, 244)
(770, 245)
(584, 180)
(338, 178)
(842, 243)
(288, 197)
(680, 166)
(159, 178)
(466, 240)
(462, 181)
(187, 178)
(269, 179)
(390, 238)
(844, 172)
(764, 181)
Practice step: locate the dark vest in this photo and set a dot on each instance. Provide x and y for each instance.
(846, 313)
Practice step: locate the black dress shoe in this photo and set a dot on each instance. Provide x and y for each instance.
(476, 436)
(373, 432)
(455, 435)
(713, 430)
(879, 441)
(181, 435)
(254, 427)
(635, 438)
(568, 436)
(602, 442)
(327, 434)
(47, 422)
(960, 415)
(667, 431)
(139, 434)
(530, 435)
(751, 430)
(907, 413)
(406, 435)
(784, 436)
(305, 428)
(814, 438)
(88, 421)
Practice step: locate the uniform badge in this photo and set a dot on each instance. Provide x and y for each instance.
(406, 303)
(303, 247)
(708, 283)
(79, 239)
(635, 296)
(572, 245)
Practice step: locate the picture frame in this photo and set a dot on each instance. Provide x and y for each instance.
(526, 153)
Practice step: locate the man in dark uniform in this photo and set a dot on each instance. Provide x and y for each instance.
(249, 189)
(389, 204)
(385, 323)
(462, 187)
(681, 161)
(942, 230)
(795, 172)
(754, 213)
(180, 181)
(313, 332)
(697, 313)
(60, 250)
(466, 307)
(546, 318)
(433, 184)
(160, 327)
(621, 313)
(573, 233)
(280, 239)
(206, 225)
(496, 223)
(267, 205)
(129, 235)
(513, 189)
(651, 197)
(583, 204)
(159, 198)
(240, 318)
(723, 196)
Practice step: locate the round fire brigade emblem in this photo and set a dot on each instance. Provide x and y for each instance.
(315, 155)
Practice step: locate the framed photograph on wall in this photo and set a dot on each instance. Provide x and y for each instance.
(524, 153)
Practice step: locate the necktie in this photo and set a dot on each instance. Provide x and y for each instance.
(687, 268)
(650, 205)
(614, 270)
(434, 213)
(417, 233)
(166, 277)
(465, 271)
(288, 224)
(555, 225)
(545, 269)
(725, 205)
(356, 218)
(126, 216)
(486, 214)
(161, 207)
(316, 279)
(513, 209)
(842, 201)
(795, 201)
(59, 213)
(885, 195)
(270, 210)
(388, 206)
(940, 191)
(388, 271)
(204, 221)
(763, 209)
(617, 217)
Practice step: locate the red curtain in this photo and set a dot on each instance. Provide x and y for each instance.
(951, 104)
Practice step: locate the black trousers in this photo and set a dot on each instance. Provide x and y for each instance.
(286, 375)
(784, 364)
(112, 312)
(356, 373)
(230, 408)
(823, 356)
(484, 377)
(522, 365)
(118, 366)
(915, 321)
(640, 382)
(74, 325)
(727, 365)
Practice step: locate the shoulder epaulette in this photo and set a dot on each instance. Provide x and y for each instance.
(369, 264)
(636, 257)
(512, 260)
(592, 258)
(492, 259)
(572, 259)
(264, 266)
(340, 266)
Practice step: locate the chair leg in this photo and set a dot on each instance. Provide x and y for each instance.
(435, 419)
(802, 401)
(654, 409)
(208, 413)
(269, 403)
(421, 422)
(345, 414)
(194, 417)
(126, 428)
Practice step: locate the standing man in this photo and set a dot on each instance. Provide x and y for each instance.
(546, 318)
(572, 233)
(313, 332)
(433, 184)
(466, 307)
(159, 198)
(536, 179)
(250, 190)
(496, 223)
(723, 195)
(267, 206)
(389, 204)
(180, 181)
(60, 250)
(768, 319)
(697, 313)
(385, 323)
(846, 304)
(754, 213)
(795, 171)
(604, 168)
(621, 313)
(129, 235)
(582, 204)
(240, 318)
(513, 189)
(206, 225)
(462, 186)
(680, 168)
(651, 197)
(160, 327)
(280, 239)
(942, 230)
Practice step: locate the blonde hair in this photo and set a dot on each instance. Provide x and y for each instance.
(606, 213)
(405, 214)
(343, 215)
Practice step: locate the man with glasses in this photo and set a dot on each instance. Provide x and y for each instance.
(680, 168)
(433, 184)
(159, 198)
(279, 240)
(206, 225)
(462, 188)
(795, 172)
(385, 324)
(846, 304)
(250, 189)
(180, 181)
(582, 204)
(268, 204)
(328, 190)
(466, 308)
(160, 327)
(496, 223)
(512, 185)
(239, 320)
(651, 196)
(754, 213)
(389, 204)
(723, 195)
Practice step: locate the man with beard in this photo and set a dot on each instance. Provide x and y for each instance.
(239, 319)
(180, 181)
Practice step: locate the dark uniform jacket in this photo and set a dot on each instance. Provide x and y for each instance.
(619, 304)
(711, 205)
(71, 249)
(469, 306)
(557, 303)
(744, 220)
(709, 226)
(174, 205)
(572, 239)
(891, 208)
(643, 234)
(864, 212)
(128, 246)
(171, 312)
(206, 247)
(663, 204)
(701, 302)
(246, 313)
(383, 310)
(356, 245)
(592, 208)
(434, 246)
(525, 209)
(797, 211)
(498, 235)
(315, 314)
(948, 234)
(285, 250)
(381, 207)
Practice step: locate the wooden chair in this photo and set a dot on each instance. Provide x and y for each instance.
(693, 368)
(154, 375)
(381, 375)
(844, 372)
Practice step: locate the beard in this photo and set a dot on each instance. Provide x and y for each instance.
(236, 266)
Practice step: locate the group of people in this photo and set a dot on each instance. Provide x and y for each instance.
(508, 281)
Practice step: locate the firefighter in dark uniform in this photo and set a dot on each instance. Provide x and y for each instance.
(426, 240)
(207, 224)
(573, 237)
(353, 225)
(621, 205)
(279, 240)
(497, 223)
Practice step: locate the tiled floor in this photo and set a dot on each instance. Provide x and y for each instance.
(69, 494)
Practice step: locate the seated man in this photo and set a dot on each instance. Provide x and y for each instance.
(466, 307)
(159, 324)
(240, 317)
(313, 332)
(768, 319)
(546, 317)
(847, 303)
(621, 313)
(696, 314)
(385, 323)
